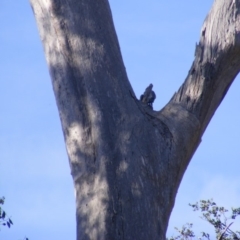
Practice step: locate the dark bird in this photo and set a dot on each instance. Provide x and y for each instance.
(149, 96)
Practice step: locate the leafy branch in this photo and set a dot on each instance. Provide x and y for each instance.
(217, 217)
(4, 219)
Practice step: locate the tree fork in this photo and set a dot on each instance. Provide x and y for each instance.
(126, 160)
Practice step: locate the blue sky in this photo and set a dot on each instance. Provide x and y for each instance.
(157, 40)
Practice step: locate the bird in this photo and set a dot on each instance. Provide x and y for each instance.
(148, 96)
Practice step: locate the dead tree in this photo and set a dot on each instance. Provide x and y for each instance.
(126, 160)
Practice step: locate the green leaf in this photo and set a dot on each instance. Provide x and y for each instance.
(8, 224)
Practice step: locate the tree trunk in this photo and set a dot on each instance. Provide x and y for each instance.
(126, 160)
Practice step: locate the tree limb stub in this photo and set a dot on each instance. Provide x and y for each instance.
(127, 160)
(215, 66)
(216, 62)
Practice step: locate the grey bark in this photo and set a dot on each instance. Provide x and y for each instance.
(126, 160)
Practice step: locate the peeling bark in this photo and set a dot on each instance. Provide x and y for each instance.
(126, 160)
